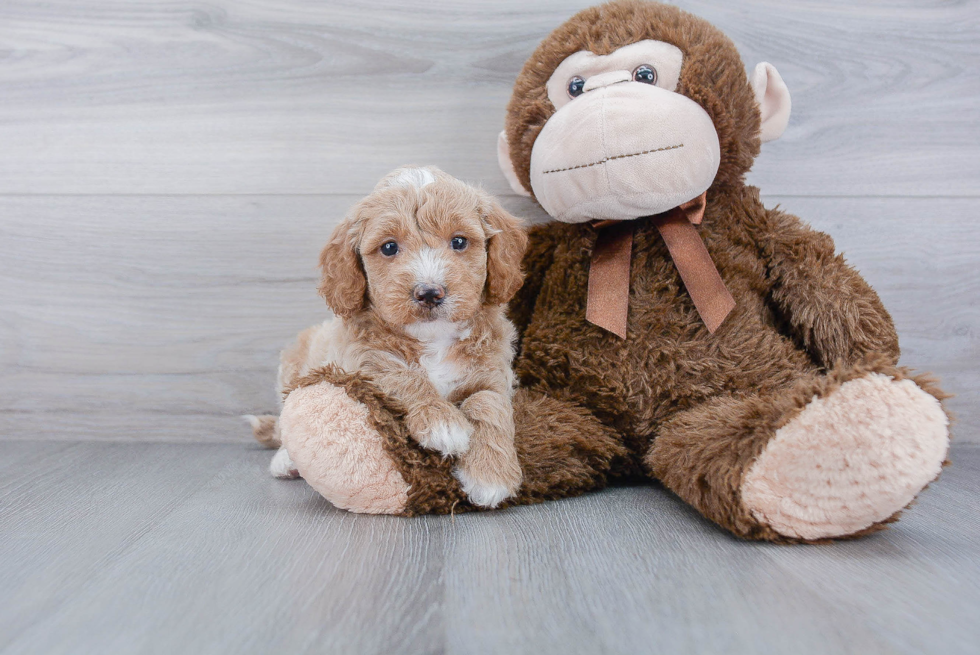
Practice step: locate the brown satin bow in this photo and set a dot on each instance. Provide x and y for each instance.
(609, 273)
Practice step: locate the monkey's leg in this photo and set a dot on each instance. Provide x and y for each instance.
(348, 441)
(831, 456)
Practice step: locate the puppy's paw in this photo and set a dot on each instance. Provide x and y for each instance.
(484, 493)
(449, 436)
(282, 466)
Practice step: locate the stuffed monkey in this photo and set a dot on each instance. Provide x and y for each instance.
(671, 327)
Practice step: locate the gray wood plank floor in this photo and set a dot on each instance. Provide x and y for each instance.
(159, 548)
(168, 173)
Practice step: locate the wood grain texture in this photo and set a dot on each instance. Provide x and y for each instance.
(167, 548)
(161, 318)
(269, 97)
(150, 548)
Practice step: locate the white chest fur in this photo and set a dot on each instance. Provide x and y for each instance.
(438, 338)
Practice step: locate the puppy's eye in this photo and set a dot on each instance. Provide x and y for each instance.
(389, 249)
(645, 73)
(458, 243)
(576, 86)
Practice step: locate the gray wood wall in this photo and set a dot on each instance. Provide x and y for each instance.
(168, 172)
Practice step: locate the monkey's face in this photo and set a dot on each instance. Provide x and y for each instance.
(622, 143)
(632, 108)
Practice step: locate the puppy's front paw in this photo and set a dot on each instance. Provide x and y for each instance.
(282, 466)
(450, 436)
(485, 493)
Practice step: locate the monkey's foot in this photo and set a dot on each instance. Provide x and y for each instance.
(338, 452)
(849, 460)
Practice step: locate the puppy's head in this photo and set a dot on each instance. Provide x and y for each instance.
(423, 246)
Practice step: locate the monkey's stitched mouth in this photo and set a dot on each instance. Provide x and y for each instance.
(605, 159)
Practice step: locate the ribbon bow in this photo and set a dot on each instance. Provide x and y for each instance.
(609, 272)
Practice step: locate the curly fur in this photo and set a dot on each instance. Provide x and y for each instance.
(448, 364)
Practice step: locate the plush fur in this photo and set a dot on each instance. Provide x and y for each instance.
(697, 409)
(563, 450)
(736, 423)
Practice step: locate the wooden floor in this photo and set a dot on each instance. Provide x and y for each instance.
(168, 173)
(160, 548)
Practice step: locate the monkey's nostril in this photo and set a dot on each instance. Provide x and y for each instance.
(429, 294)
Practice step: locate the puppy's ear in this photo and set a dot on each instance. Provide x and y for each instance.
(505, 250)
(343, 283)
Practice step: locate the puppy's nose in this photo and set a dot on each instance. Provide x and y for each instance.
(430, 295)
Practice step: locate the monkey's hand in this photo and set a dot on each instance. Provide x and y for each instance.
(829, 307)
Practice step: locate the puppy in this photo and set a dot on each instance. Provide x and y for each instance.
(418, 275)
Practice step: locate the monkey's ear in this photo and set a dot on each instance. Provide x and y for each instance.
(505, 251)
(343, 284)
(773, 98)
(506, 167)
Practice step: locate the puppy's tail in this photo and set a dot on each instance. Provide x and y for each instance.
(265, 429)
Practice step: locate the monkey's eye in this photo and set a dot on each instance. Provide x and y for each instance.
(389, 248)
(458, 243)
(576, 86)
(645, 73)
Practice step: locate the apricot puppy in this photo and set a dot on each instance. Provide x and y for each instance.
(418, 275)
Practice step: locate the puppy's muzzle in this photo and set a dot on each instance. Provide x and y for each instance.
(429, 295)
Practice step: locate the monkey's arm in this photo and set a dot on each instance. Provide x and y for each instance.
(829, 307)
(537, 260)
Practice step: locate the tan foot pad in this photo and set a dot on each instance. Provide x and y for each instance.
(331, 441)
(849, 460)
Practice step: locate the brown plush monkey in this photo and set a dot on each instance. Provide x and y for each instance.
(701, 340)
